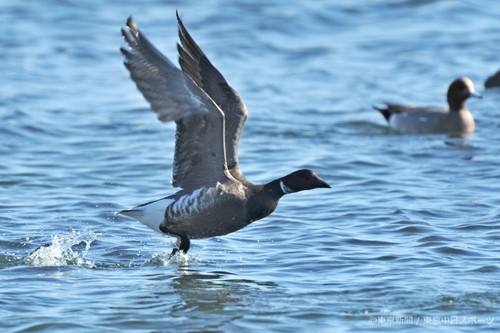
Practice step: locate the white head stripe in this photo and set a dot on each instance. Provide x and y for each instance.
(285, 188)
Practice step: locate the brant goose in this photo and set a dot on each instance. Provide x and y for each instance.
(215, 197)
(455, 119)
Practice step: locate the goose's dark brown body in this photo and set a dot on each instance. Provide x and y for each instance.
(215, 197)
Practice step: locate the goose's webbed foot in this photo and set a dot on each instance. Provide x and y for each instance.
(183, 242)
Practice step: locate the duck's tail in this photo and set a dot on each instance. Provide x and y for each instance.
(385, 111)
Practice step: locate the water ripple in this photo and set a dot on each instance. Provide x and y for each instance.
(409, 229)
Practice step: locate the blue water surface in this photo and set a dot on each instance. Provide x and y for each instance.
(405, 241)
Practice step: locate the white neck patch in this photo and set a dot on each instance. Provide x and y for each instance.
(285, 188)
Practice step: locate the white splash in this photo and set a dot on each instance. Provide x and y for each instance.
(60, 252)
(164, 259)
(180, 259)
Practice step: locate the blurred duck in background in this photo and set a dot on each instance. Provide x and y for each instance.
(429, 119)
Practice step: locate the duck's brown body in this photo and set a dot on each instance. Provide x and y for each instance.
(456, 119)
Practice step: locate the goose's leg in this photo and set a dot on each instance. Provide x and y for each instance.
(174, 251)
(183, 243)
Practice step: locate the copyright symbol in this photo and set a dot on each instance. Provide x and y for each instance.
(373, 320)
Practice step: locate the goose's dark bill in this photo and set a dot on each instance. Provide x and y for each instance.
(214, 197)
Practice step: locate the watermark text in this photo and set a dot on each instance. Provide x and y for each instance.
(430, 320)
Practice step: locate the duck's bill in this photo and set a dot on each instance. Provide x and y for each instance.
(475, 94)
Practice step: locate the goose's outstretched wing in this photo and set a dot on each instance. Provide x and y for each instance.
(199, 148)
(196, 65)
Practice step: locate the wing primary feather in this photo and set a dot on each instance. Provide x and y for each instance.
(200, 158)
(198, 67)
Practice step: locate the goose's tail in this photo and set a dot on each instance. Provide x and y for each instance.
(150, 214)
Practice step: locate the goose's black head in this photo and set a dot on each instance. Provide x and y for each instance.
(301, 180)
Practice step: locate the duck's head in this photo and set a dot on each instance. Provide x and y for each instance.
(458, 92)
(301, 180)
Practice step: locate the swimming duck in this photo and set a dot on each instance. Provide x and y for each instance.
(493, 81)
(214, 198)
(456, 119)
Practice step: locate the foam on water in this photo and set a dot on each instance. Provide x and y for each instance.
(61, 253)
(164, 259)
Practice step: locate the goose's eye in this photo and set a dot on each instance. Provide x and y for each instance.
(461, 86)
